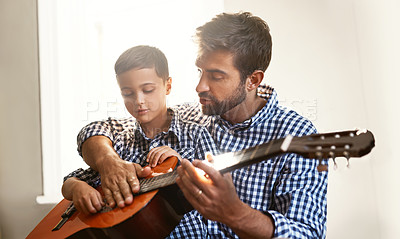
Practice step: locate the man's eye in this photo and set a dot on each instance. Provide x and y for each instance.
(214, 78)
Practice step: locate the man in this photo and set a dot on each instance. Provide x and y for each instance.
(280, 197)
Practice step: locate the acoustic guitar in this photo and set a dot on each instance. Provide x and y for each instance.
(159, 205)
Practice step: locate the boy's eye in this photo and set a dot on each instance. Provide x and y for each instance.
(148, 90)
(126, 93)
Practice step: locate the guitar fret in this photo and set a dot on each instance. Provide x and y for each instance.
(157, 182)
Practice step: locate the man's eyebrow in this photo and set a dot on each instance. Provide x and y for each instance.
(215, 71)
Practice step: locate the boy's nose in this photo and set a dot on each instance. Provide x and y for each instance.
(140, 99)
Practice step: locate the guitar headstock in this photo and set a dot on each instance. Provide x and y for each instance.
(348, 144)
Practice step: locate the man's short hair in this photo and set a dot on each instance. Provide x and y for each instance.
(246, 36)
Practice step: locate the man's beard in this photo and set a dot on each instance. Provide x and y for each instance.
(221, 107)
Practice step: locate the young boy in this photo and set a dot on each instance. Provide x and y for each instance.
(154, 134)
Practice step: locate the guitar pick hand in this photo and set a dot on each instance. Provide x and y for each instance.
(214, 196)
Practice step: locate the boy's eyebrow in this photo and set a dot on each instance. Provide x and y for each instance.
(148, 83)
(145, 84)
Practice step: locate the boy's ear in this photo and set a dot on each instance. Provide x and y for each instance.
(168, 84)
(254, 80)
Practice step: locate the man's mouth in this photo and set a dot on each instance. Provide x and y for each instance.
(205, 101)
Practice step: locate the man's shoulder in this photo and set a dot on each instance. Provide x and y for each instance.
(191, 113)
(291, 122)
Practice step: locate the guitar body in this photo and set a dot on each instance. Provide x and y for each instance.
(151, 215)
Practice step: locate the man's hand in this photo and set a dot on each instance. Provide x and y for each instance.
(208, 190)
(214, 196)
(119, 179)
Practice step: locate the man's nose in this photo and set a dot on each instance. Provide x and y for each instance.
(202, 86)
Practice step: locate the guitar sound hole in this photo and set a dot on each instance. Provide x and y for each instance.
(106, 209)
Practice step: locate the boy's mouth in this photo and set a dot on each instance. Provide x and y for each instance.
(142, 111)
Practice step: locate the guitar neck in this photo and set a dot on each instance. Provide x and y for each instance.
(224, 163)
(230, 161)
(354, 143)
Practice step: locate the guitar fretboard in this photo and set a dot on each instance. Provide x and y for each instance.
(163, 180)
(224, 163)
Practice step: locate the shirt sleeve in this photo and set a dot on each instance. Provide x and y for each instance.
(299, 206)
(89, 176)
(93, 129)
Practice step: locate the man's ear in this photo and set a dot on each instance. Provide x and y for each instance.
(168, 85)
(254, 80)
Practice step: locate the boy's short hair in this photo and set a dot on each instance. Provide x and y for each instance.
(140, 57)
(246, 36)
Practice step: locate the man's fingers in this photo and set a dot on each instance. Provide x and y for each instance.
(133, 183)
(213, 174)
(125, 191)
(193, 193)
(118, 198)
(109, 197)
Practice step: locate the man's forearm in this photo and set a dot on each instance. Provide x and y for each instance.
(96, 149)
(253, 224)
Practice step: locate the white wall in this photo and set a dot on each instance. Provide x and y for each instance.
(344, 55)
(378, 41)
(20, 156)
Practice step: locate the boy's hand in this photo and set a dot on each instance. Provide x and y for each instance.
(160, 154)
(86, 199)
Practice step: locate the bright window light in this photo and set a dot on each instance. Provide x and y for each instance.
(80, 40)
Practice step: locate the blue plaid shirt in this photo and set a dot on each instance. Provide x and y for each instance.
(188, 139)
(287, 187)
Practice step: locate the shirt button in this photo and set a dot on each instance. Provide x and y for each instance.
(154, 144)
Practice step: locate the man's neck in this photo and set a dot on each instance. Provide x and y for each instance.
(244, 111)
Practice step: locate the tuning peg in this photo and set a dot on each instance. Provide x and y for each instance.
(334, 164)
(347, 156)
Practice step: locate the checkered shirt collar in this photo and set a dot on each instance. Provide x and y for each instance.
(174, 127)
